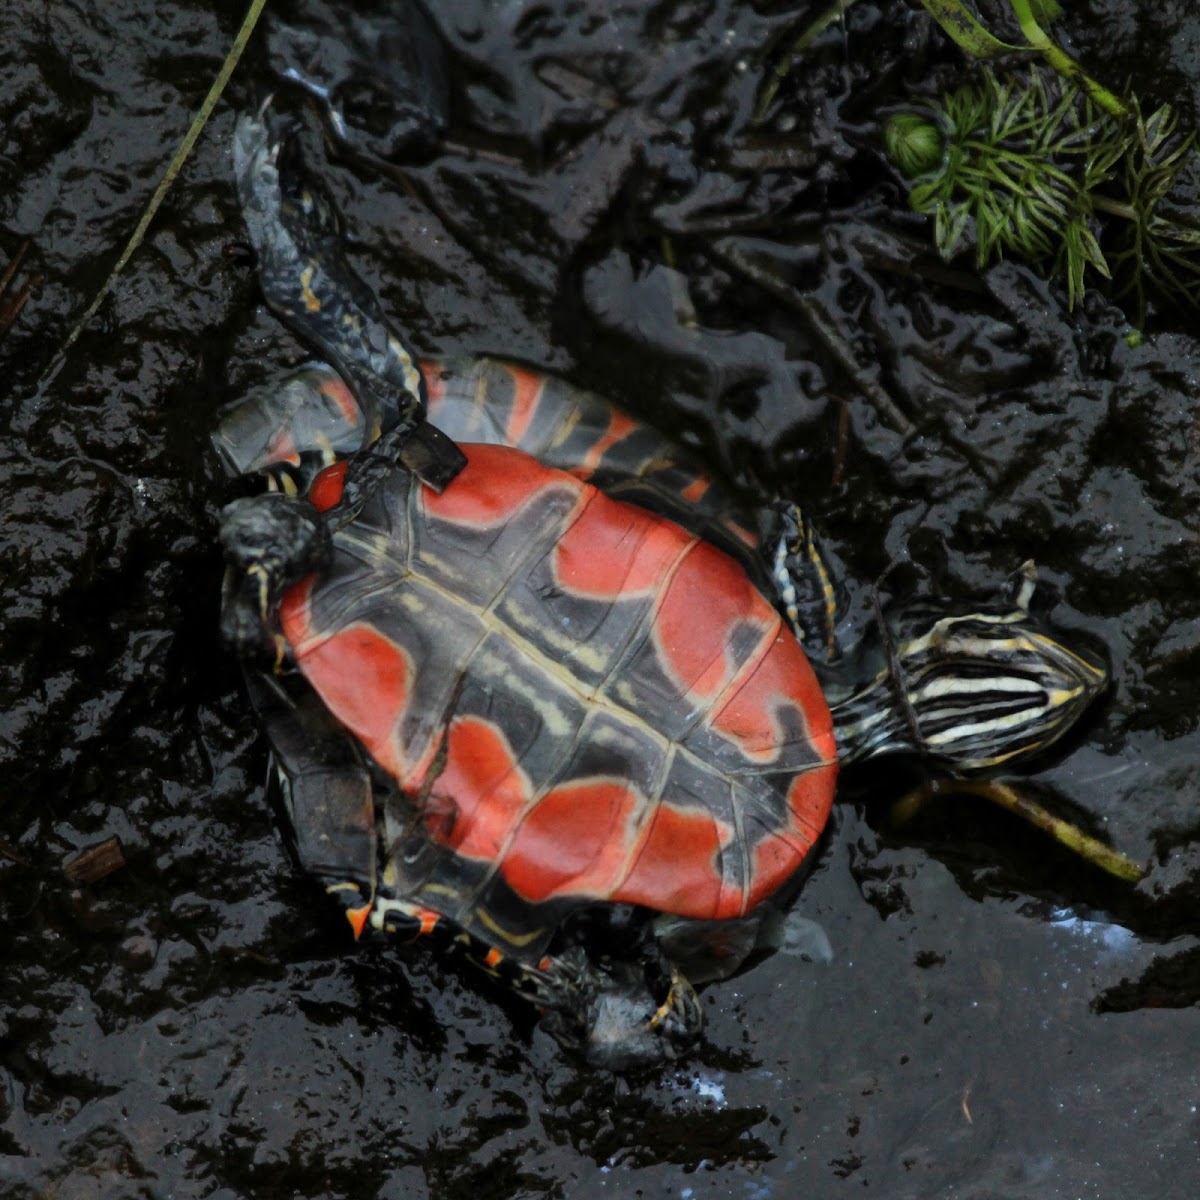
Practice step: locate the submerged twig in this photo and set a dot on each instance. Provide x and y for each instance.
(784, 65)
(1119, 865)
(11, 304)
(6, 851)
(818, 321)
(96, 862)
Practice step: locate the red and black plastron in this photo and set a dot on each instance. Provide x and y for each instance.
(587, 702)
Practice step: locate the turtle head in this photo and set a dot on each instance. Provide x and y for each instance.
(294, 428)
(974, 691)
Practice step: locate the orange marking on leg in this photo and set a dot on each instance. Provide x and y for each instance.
(696, 489)
(358, 919)
(619, 426)
(435, 384)
(281, 449)
(343, 397)
(739, 531)
(492, 958)
(428, 920)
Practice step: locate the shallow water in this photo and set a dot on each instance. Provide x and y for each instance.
(993, 1019)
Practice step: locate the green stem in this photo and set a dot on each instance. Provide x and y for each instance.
(966, 30)
(1035, 35)
(802, 43)
(1115, 208)
(181, 155)
(1071, 71)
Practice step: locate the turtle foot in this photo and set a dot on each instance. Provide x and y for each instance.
(611, 1016)
(270, 542)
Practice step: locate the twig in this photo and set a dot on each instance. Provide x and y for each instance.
(821, 326)
(780, 71)
(1071, 836)
(181, 156)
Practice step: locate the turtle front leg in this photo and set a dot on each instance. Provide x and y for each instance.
(413, 445)
(622, 1016)
(270, 542)
(325, 790)
(806, 585)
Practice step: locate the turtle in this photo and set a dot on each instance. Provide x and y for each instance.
(530, 683)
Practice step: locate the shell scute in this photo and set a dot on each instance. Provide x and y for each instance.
(676, 867)
(575, 840)
(484, 788)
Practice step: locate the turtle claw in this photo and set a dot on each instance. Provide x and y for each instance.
(679, 1016)
(620, 1037)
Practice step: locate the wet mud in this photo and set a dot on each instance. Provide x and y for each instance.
(961, 1009)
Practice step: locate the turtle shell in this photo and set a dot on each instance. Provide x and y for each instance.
(503, 403)
(577, 700)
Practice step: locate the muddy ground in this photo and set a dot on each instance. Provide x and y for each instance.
(978, 1015)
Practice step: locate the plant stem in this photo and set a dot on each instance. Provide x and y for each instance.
(802, 43)
(1115, 208)
(964, 28)
(1119, 865)
(253, 12)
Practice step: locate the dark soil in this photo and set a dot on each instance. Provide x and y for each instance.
(994, 1019)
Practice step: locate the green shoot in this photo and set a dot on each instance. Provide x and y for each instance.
(1030, 168)
(964, 28)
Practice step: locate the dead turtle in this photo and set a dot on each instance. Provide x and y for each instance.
(514, 711)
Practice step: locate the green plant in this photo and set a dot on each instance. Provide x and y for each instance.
(1034, 168)
(1155, 247)
(963, 27)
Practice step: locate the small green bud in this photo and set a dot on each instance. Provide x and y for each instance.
(913, 143)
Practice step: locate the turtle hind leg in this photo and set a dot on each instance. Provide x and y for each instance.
(622, 1015)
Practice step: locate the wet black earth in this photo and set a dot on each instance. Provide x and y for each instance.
(965, 1011)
